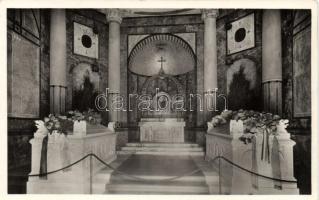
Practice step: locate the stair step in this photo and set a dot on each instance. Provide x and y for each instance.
(194, 178)
(102, 176)
(166, 153)
(159, 183)
(205, 181)
(171, 145)
(162, 149)
(156, 189)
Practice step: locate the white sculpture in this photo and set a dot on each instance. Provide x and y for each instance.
(42, 131)
(236, 127)
(79, 128)
(210, 126)
(282, 125)
(111, 126)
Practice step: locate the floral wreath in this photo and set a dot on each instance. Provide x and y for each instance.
(64, 123)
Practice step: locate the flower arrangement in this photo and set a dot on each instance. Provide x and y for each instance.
(64, 123)
(253, 121)
(89, 116)
(60, 124)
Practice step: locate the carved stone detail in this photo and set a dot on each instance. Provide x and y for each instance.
(114, 15)
(209, 13)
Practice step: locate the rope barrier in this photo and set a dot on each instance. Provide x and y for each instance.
(143, 179)
(118, 171)
(162, 180)
(66, 167)
(254, 173)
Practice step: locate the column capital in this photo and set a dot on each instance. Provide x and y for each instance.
(209, 13)
(114, 15)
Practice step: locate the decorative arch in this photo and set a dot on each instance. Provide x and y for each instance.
(178, 55)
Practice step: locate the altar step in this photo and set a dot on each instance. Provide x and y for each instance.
(192, 149)
(99, 179)
(177, 187)
(171, 149)
(154, 144)
(145, 174)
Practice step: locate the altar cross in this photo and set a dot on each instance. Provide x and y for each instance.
(161, 61)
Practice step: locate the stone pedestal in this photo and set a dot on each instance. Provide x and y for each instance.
(279, 165)
(36, 144)
(241, 180)
(64, 150)
(286, 170)
(262, 165)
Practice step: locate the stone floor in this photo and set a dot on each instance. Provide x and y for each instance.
(158, 165)
(152, 170)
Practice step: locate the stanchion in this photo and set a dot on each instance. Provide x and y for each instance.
(219, 176)
(91, 174)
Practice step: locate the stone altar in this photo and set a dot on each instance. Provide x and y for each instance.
(168, 130)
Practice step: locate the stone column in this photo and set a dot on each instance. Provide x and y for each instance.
(57, 61)
(114, 74)
(272, 61)
(210, 58)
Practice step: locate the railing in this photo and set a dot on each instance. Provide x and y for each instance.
(219, 158)
(254, 173)
(245, 170)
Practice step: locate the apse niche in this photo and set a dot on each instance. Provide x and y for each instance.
(162, 66)
(85, 87)
(162, 53)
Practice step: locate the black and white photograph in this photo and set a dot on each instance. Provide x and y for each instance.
(160, 101)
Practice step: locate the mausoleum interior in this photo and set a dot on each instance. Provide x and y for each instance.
(159, 101)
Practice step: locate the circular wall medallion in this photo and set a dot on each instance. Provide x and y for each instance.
(240, 34)
(86, 41)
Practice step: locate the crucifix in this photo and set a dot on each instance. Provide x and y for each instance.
(161, 71)
(161, 61)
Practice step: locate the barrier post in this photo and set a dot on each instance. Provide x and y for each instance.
(219, 176)
(91, 174)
